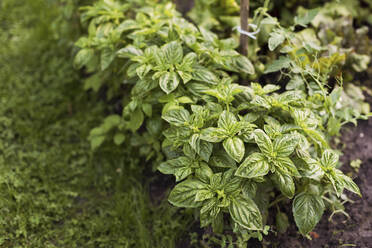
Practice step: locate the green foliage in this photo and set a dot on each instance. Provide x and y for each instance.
(223, 141)
(148, 87)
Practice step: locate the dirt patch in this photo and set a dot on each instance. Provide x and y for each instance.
(343, 232)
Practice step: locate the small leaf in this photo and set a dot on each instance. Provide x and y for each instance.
(83, 57)
(285, 183)
(168, 82)
(329, 158)
(277, 65)
(213, 134)
(282, 222)
(203, 195)
(129, 52)
(183, 195)
(263, 141)
(350, 185)
(180, 167)
(285, 145)
(147, 109)
(307, 211)
(287, 166)
(306, 18)
(173, 52)
(277, 37)
(119, 138)
(255, 165)
(245, 212)
(204, 75)
(96, 141)
(205, 151)
(235, 148)
(226, 120)
(107, 56)
(136, 120)
(223, 160)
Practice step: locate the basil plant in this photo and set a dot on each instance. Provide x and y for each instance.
(236, 148)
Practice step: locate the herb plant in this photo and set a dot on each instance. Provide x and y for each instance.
(236, 148)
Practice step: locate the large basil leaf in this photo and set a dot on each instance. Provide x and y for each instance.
(329, 158)
(173, 53)
(286, 165)
(263, 141)
(177, 117)
(169, 81)
(222, 159)
(285, 183)
(307, 211)
(235, 148)
(285, 145)
(255, 165)
(183, 195)
(204, 75)
(245, 212)
(213, 134)
(180, 167)
(226, 120)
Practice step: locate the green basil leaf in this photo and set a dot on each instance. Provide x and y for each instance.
(226, 120)
(143, 70)
(307, 211)
(204, 194)
(177, 117)
(129, 52)
(169, 81)
(285, 145)
(350, 185)
(287, 166)
(186, 77)
(223, 160)
(83, 57)
(255, 165)
(107, 56)
(336, 180)
(329, 158)
(285, 183)
(213, 134)
(136, 120)
(282, 222)
(306, 17)
(245, 212)
(277, 65)
(119, 138)
(235, 148)
(96, 141)
(173, 52)
(238, 64)
(147, 109)
(206, 149)
(188, 61)
(263, 141)
(184, 193)
(204, 75)
(249, 188)
(180, 167)
(277, 37)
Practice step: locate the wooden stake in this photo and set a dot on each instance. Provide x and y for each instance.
(244, 15)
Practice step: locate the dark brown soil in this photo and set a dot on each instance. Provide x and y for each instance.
(343, 232)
